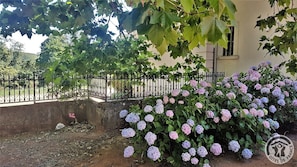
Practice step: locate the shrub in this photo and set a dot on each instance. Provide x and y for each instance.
(201, 120)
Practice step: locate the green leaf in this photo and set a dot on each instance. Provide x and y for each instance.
(171, 37)
(187, 5)
(163, 47)
(188, 33)
(170, 128)
(160, 3)
(156, 34)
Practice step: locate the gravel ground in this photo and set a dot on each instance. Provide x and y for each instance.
(80, 145)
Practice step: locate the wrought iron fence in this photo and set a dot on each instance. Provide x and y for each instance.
(33, 88)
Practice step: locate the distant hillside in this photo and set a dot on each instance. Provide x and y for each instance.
(29, 56)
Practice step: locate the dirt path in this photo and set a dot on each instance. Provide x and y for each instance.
(82, 146)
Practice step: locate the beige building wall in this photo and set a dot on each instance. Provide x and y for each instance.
(247, 38)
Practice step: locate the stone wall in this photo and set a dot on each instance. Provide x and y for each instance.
(46, 115)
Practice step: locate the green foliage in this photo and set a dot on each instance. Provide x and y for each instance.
(284, 25)
(13, 60)
(168, 23)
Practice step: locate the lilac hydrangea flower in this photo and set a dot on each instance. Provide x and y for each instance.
(159, 108)
(200, 91)
(141, 125)
(206, 165)
(247, 153)
(129, 151)
(265, 90)
(199, 129)
(276, 92)
(186, 157)
(150, 138)
(203, 83)
(231, 95)
(219, 93)
(186, 144)
(294, 103)
(149, 118)
(185, 93)
(173, 135)
(209, 114)
(123, 113)
(186, 128)
(194, 161)
(201, 151)
(159, 101)
(148, 108)
(216, 149)
(234, 146)
(128, 132)
(272, 109)
(153, 153)
(132, 117)
(192, 151)
(190, 122)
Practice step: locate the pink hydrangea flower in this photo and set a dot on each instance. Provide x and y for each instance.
(172, 100)
(227, 85)
(260, 113)
(169, 113)
(258, 86)
(253, 112)
(181, 102)
(226, 115)
(173, 135)
(175, 92)
(216, 119)
(266, 124)
(193, 83)
(199, 105)
(186, 128)
(209, 114)
(165, 99)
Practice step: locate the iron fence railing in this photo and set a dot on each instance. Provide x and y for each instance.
(33, 88)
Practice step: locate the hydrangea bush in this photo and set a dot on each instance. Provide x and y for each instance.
(201, 120)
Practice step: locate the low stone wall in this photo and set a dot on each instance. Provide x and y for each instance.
(46, 115)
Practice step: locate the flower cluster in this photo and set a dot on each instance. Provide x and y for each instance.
(198, 120)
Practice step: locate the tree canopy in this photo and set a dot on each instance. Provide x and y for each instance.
(176, 26)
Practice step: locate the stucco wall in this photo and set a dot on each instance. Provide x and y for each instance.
(45, 116)
(247, 39)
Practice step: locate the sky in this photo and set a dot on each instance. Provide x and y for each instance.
(30, 45)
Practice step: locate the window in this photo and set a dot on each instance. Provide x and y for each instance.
(229, 51)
